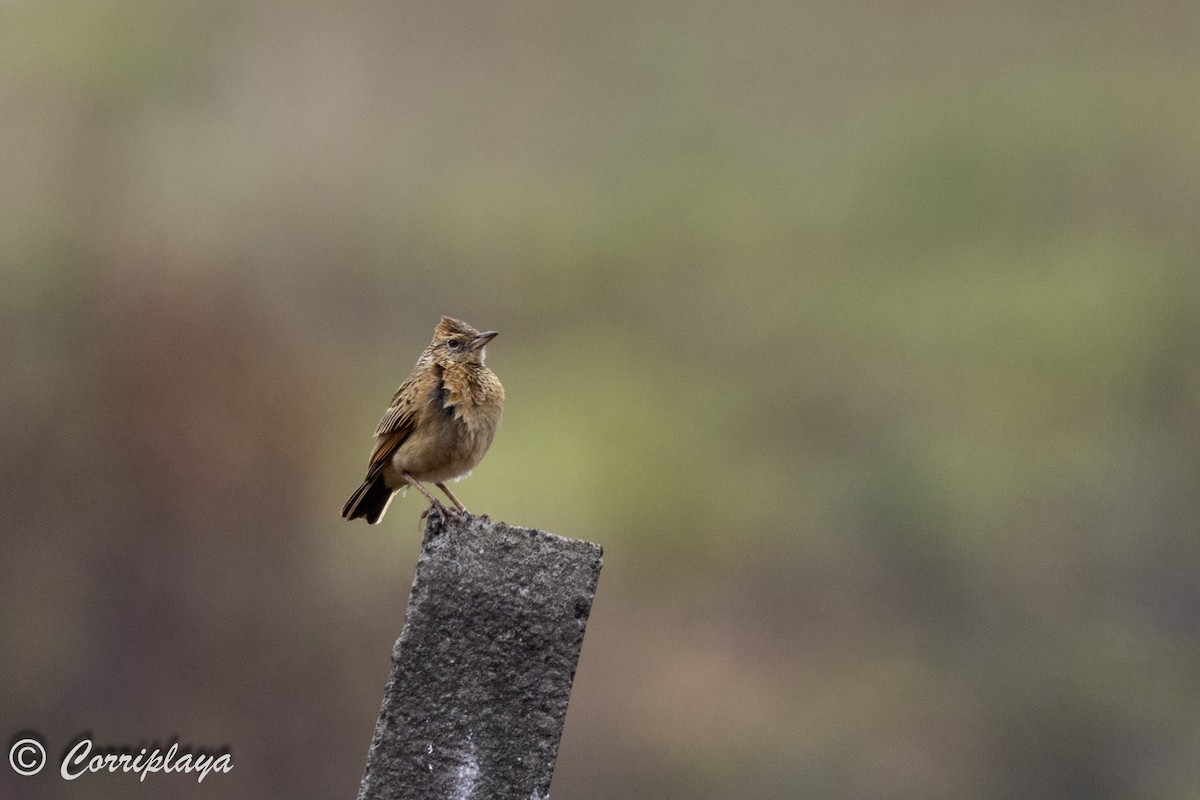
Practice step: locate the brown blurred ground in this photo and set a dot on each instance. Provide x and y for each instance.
(863, 337)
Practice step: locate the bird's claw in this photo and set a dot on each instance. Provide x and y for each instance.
(440, 511)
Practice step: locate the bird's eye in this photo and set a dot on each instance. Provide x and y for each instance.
(455, 344)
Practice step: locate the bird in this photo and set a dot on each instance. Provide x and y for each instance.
(438, 427)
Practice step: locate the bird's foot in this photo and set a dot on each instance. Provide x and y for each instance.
(440, 511)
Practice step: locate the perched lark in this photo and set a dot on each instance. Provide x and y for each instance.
(439, 425)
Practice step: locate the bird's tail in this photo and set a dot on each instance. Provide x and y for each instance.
(369, 501)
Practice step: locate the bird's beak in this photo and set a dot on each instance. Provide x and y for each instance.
(482, 339)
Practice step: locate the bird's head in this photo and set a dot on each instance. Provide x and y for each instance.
(456, 342)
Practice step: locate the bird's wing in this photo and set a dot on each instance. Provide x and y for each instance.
(396, 425)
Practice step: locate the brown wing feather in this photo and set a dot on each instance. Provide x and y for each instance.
(397, 423)
(385, 446)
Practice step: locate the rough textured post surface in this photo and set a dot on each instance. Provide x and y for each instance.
(483, 668)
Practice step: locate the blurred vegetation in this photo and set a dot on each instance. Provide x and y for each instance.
(864, 338)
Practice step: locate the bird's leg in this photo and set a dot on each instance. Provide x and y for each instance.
(461, 508)
(435, 505)
(416, 484)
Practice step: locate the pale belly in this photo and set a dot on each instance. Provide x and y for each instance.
(441, 449)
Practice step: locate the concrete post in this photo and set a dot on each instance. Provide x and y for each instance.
(483, 668)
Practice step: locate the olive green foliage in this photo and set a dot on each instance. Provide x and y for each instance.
(864, 337)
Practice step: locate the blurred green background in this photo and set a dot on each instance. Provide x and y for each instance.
(863, 336)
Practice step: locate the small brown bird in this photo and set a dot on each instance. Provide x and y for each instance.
(439, 425)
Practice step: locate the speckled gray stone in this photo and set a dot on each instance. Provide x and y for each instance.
(483, 668)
